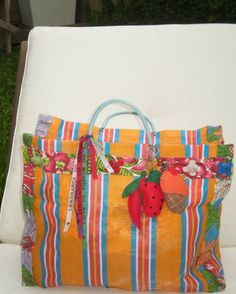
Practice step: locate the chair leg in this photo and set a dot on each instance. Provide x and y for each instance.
(5, 15)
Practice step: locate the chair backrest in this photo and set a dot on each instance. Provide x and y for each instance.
(181, 76)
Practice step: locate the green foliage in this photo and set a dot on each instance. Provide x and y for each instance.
(214, 286)
(121, 12)
(8, 68)
(27, 139)
(28, 202)
(37, 159)
(213, 217)
(224, 151)
(26, 154)
(28, 279)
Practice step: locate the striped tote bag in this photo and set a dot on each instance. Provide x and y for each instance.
(121, 208)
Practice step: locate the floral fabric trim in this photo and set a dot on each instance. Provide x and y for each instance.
(59, 162)
(29, 235)
(205, 262)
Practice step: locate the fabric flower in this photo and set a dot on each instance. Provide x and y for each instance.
(224, 168)
(192, 168)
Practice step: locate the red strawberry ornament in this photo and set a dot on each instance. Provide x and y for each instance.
(134, 207)
(152, 195)
(134, 201)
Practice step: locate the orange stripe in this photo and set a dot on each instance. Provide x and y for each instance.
(168, 251)
(71, 252)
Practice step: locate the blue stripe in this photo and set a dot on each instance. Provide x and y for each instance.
(198, 136)
(45, 232)
(183, 137)
(76, 131)
(141, 136)
(100, 136)
(104, 230)
(158, 139)
(40, 144)
(58, 256)
(58, 145)
(85, 252)
(59, 135)
(206, 150)
(107, 148)
(133, 256)
(117, 134)
(187, 151)
(153, 224)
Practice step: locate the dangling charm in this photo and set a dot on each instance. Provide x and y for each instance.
(175, 190)
(144, 195)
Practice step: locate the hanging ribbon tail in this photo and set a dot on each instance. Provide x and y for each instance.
(93, 159)
(87, 145)
(71, 198)
(79, 188)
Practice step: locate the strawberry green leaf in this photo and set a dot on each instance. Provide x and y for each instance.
(134, 185)
(154, 176)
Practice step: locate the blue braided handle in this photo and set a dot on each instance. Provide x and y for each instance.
(151, 125)
(133, 107)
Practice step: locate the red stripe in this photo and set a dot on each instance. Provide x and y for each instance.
(191, 284)
(140, 284)
(71, 128)
(51, 146)
(64, 135)
(188, 137)
(146, 138)
(91, 253)
(45, 145)
(194, 150)
(52, 233)
(106, 135)
(50, 252)
(47, 246)
(97, 241)
(194, 141)
(111, 135)
(199, 151)
(146, 258)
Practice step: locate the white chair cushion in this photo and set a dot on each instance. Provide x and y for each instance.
(181, 76)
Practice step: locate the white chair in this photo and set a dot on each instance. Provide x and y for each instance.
(181, 76)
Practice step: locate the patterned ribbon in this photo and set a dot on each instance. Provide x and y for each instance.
(88, 145)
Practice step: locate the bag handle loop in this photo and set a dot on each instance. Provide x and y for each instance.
(151, 125)
(125, 103)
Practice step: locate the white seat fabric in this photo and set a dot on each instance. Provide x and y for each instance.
(181, 76)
